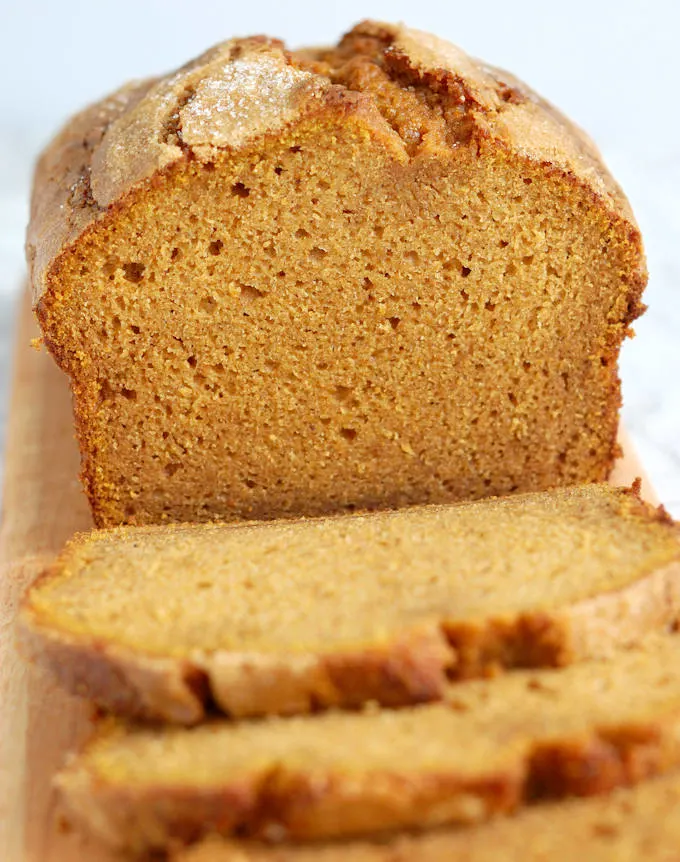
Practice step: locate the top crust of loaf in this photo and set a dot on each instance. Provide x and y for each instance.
(244, 89)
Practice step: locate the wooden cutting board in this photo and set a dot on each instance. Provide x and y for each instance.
(43, 507)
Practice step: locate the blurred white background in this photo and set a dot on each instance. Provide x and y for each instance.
(614, 67)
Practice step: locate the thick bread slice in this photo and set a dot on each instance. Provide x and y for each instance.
(491, 747)
(640, 824)
(292, 616)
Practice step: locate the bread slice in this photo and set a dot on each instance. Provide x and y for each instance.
(491, 747)
(292, 616)
(640, 824)
(291, 283)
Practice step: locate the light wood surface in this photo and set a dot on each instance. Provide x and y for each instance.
(43, 507)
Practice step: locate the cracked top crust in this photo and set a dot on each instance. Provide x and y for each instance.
(243, 88)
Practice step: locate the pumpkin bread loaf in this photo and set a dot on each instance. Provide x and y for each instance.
(640, 824)
(490, 747)
(304, 282)
(291, 616)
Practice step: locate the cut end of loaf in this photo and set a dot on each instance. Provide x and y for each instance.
(412, 289)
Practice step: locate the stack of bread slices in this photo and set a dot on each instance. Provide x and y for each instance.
(350, 677)
(313, 631)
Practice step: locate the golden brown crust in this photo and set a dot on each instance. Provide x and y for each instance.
(282, 800)
(180, 690)
(300, 807)
(115, 145)
(630, 824)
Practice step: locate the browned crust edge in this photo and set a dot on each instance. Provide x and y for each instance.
(276, 804)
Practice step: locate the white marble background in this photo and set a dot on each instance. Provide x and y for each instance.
(614, 67)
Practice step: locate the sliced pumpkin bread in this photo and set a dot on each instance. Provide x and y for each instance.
(640, 824)
(490, 747)
(291, 616)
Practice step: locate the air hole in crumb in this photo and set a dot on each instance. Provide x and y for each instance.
(115, 322)
(379, 230)
(465, 295)
(110, 266)
(192, 361)
(412, 256)
(209, 166)
(528, 181)
(207, 304)
(133, 272)
(503, 243)
(348, 433)
(165, 435)
(512, 398)
(216, 246)
(562, 457)
(278, 170)
(239, 190)
(318, 253)
(324, 185)
(510, 269)
(489, 306)
(295, 149)
(526, 365)
(250, 293)
(451, 336)
(487, 483)
(301, 233)
(281, 274)
(604, 361)
(367, 283)
(394, 322)
(465, 271)
(171, 468)
(135, 329)
(130, 394)
(528, 259)
(342, 393)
